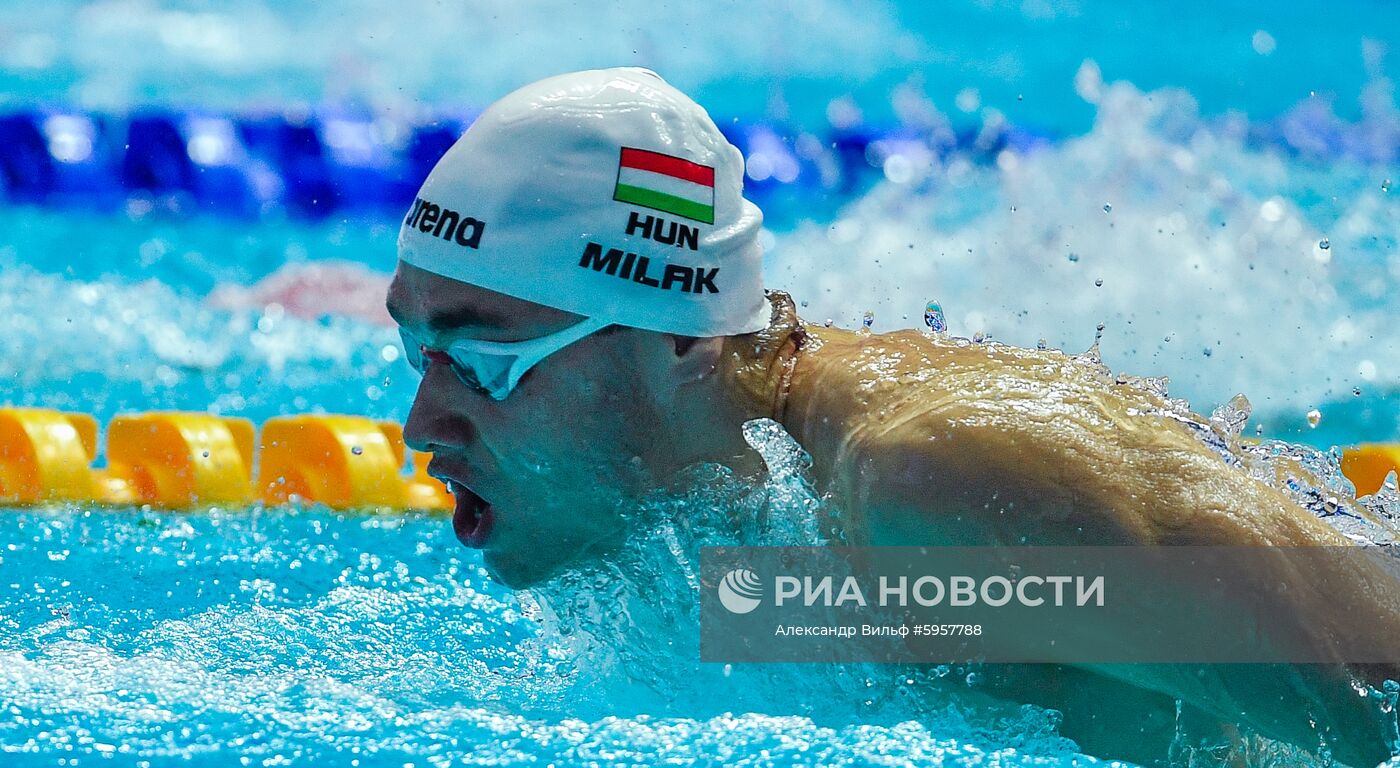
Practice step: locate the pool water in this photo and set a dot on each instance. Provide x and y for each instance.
(1183, 204)
(269, 636)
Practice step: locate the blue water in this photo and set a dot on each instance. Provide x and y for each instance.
(268, 635)
(1201, 158)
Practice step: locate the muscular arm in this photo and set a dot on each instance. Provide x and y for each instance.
(970, 446)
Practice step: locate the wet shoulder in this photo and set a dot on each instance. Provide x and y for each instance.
(854, 394)
(872, 375)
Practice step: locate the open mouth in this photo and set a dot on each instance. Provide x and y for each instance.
(472, 517)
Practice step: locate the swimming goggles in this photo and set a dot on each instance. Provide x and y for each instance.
(495, 367)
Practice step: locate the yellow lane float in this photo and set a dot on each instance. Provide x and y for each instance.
(177, 460)
(45, 455)
(339, 461)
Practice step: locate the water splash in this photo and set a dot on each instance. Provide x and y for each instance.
(1212, 244)
(1232, 416)
(635, 617)
(303, 634)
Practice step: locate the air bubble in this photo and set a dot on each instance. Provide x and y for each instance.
(1107, 207)
(1314, 418)
(1324, 243)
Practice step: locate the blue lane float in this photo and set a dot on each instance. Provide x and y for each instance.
(338, 163)
(316, 165)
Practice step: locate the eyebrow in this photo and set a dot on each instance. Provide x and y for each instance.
(444, 320)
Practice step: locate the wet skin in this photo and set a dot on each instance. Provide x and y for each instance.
(925, 441)
(919, 441)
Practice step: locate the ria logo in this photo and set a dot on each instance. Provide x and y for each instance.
(740, 590)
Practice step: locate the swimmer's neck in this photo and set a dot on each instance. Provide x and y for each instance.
(815, 417)
(707, 419)
(774, 377)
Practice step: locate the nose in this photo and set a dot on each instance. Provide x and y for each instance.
(434, 422)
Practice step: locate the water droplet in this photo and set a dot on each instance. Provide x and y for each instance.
(804, 304)
(1356, 391)
(1073, 257)
(1206, 351)
(1107, 207)
(1314, 417)
(206, 454)
(1098, 283)
(1231, 417)
(1324, 243)
(868, 319)
(1041, 344)
(1385, 185)
(933, 317)
(357, 450)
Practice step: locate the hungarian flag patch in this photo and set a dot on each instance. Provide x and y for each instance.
(665, 183)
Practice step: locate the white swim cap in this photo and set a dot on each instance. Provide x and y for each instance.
(606, 193)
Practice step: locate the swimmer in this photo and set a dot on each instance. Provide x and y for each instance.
(579, 283)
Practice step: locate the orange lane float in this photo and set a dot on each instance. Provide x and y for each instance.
(177, 460)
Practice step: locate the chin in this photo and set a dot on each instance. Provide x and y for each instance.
(520, 570)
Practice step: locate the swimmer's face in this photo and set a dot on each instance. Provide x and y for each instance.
(538, 476)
